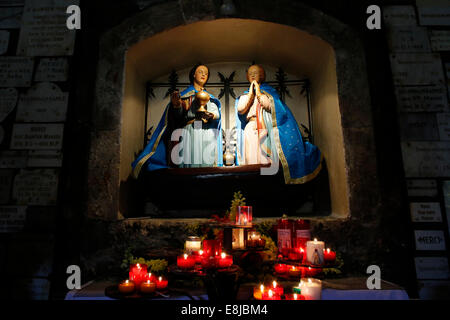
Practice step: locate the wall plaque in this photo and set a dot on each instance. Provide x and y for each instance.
(408, 39)
(426, 159)
(8, 101)
(44, 102)
(13, 159)
(44, 31)
(440, 40)
(10, 17)
(16, 71)
(433, 12)
(443, 121)
(37, 136)
(432, 268)
(425, 211)
(422, 99)
(418, 127)
(44, 158)
(399, 16)
(52, 69)
(422, 188)
(416, 69)
(12, 218)
(430, 240)
(6, 178)
(446, 193)
(4, 41)
(36, 187)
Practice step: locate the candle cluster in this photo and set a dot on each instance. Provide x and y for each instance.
(141, 281)
(307, 289)
(254, 240)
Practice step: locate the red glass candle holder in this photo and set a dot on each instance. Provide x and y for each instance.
(294, 296)
(281, 268)
(224, 260)
(138, 273)
(211, 248)
(244, 216)
(185, 261)
(329, 256)
(208, 262)
(161, 283)
(277, 289)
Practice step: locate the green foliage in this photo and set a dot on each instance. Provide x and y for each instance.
(336, 270)
(238, 200)
(154, 265)
(270, 246)
(264, 228)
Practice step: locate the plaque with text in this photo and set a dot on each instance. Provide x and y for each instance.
(45, 158)
(440, 40)
(16, 71)
(4, 41)
(432, 268)
(429, 240)
(433, 12)
(408, 39)
(443, 120)
(425, 212)
(418, 127)
(6, 178)
(422, 188)
(409, 69)
(36, 187)
(446, 193)
(426, 159)
(37, 136)
(399, 16)
(422, 99)
(10, 17)
(8, 101)
(12, 218)
(44, 31)
(13, 159)
(52, 69)
(44, 102)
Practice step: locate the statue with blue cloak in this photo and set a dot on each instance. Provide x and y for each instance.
(187, 136)
(268, 134)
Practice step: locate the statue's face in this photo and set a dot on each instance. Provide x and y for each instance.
(255, 73)
(201, 75)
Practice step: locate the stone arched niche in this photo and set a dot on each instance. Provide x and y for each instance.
(152, 44)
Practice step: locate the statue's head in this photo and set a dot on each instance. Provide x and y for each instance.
(256, 73)
(199, 74)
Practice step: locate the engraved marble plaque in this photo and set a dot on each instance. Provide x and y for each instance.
(13, 159)
(44, 31)
(8, 101)
(426, 159)
(422, 99)
(443, 121)
(408, 39)
(12, 218)
(16, 71)
(425, 212)
(432, 268)
(45, 158)
(6, 178)
(36, 187)
(399, 16)
(44, 102)
(4, 41)
(52, 69)
(440, 40)
(418, 127)
(37, 136)
(10, 17)
(422, 188)
(429, 240)
(433, 12)
(416, 69)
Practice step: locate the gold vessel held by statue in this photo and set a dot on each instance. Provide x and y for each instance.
(203, 98)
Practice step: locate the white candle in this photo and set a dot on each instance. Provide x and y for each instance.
(311, 288)
(193, 244)
(314, 251)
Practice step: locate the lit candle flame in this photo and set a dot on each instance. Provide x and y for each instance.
(270, 293)
(217, 253)
(315, 239)
(328, 250)
(138, 266)
(295, 296)
(309, 280)
(301, 250)
(148, 281)
(185, 256)
(261, 287)
(223, 255)
(201, 252)
(274, 284)
(160, 279)
(126, 281)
